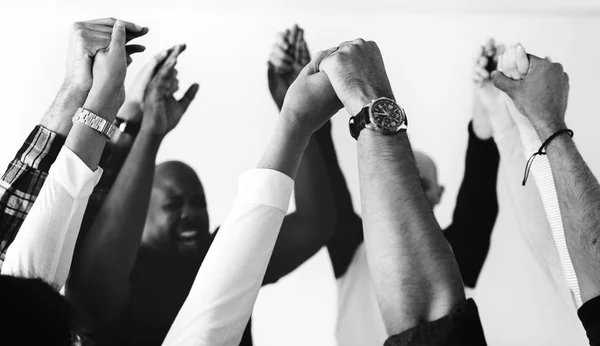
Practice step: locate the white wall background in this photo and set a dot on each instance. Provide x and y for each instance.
(427, 46)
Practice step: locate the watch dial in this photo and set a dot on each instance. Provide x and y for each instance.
(387, 115)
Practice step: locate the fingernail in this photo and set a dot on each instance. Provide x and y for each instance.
(138, 27)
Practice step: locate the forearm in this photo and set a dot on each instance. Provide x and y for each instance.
(58, 117)
(306, 230)
(108, 252)
(579, 198)
(413, 269)
(529, 210)
(285, 149)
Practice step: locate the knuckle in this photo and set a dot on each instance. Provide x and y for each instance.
(359, 41)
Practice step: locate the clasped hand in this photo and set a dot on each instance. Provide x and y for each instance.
(350, 75)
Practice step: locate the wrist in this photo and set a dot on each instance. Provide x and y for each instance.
(289, 123)
(58, 118)
(150, 134)
(103, 103)
(376, 144)
(131, 112)
(547, 129)
(364, 96)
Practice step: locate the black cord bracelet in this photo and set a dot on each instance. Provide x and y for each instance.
(542, 151)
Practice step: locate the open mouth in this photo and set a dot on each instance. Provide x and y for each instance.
(188, 235)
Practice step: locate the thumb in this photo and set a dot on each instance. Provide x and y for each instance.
(314, 65)
(118, 36)
(504, 83)
(189, 96)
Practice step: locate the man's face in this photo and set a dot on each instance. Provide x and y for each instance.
(429, 181)
(177, 220)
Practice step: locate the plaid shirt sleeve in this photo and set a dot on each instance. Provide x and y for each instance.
(22, 181)
(26, 174)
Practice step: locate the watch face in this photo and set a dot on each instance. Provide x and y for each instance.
(387, 115)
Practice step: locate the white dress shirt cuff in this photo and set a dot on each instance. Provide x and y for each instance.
(70, 172)
(253, 188)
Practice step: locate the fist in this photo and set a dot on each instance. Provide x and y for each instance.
(357, 74)
(542, 93)
(86, 39)
(311, 100)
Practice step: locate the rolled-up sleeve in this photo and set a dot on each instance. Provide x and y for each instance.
(222, 297)
(44, 246)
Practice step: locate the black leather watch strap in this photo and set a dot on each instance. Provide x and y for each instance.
(358, 122)
(128, 127)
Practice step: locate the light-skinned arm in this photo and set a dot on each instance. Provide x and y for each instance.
(26, 174)
(44, 247)
(415, 275)
(542, 97)
(306, 230)
(99, 282)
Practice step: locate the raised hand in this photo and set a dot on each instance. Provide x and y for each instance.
(288, 57)
(542, 93)
(133, 108)
(357, 74)
(89, 37)
(311, 100)
(109, 70)
(489, 104)
(162, 111)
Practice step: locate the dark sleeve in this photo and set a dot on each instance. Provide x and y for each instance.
(21, 183)
(348, 233)
(476, 208)
(589, 314)
(459, 328)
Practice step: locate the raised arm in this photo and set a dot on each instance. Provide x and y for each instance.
(27, 172)
(222, 297)
(526, 200)
(514, 63)
(99, 283)
(414, 272)
(477, 202)
(44, 246)
(306, 230)
(542, 97)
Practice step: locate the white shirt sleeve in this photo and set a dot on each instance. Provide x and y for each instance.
(44, 246)
(542, 174)
(531, 216)
(222, 297)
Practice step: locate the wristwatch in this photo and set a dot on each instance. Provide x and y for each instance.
(382, 114)
(126, 126)
(94, 121)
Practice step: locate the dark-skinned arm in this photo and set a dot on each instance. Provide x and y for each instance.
(306, 230)
(99, 285)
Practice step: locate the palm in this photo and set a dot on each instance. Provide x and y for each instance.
(174, 112)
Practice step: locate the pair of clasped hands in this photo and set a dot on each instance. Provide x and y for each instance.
(538, 87)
